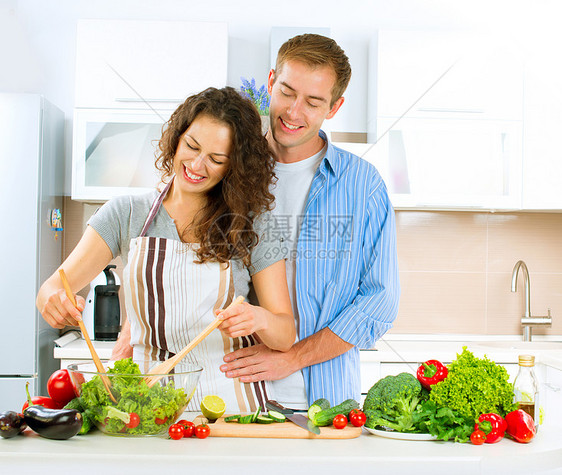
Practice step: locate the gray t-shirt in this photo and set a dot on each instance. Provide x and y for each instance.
(122, 219)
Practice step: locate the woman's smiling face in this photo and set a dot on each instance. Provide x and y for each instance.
(202, 158)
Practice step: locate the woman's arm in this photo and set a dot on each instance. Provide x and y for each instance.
(273, 320)
(90, 256)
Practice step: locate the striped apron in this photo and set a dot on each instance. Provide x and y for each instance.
(170, 299)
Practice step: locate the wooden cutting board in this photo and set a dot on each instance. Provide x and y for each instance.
(278, 430)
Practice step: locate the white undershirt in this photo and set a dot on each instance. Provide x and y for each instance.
(291, 191)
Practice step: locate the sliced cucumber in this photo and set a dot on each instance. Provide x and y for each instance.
(319, 405)
(256, 414)
(277, 416)
(246, 419)
(233, 418)
(265, 420)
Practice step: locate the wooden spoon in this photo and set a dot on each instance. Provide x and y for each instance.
(160, 370)
(95, 357)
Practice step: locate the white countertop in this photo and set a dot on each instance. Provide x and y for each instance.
(98, 453)
(403, 348)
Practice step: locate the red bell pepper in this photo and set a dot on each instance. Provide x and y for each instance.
(431, 372)
(47, 402)
(493, 425)
(520, 426)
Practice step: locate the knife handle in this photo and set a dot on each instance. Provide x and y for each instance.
(273, 405)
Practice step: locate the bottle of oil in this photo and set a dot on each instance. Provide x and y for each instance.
(526, 388)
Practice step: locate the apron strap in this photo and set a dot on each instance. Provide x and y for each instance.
(155, 207)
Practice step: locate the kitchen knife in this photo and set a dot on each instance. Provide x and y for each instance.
(299, 419)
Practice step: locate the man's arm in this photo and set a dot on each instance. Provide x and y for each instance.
(259, 363)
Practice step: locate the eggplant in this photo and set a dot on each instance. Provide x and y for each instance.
(58, 424)
(11, 424)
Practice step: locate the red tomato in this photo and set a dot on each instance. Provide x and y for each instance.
(357, 417)
(340, 421)
(42, 401)
(202, 431)
(188, 427)
(478, 437)
(175, 431)
(134, 420)
(160, 421)
(60, 387)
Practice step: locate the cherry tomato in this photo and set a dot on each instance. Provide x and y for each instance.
(188, 427)
(160, 421)
(134, 420)
(357, 417)
(175, 431)
(202, 431)
(340, 421)
(478, 437)
(60, 387)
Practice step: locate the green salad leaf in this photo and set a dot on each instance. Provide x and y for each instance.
(154, 405)
(474, 386)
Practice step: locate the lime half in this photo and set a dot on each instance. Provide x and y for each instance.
(212, 407)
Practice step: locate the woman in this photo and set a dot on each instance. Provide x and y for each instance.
(189, 249)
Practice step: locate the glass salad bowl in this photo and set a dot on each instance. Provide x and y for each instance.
(139, 409)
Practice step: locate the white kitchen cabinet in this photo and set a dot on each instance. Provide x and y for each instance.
(130, 77)
(125, 64)
(447, 122)
(114, 151)
(449, 74)
(542, 163)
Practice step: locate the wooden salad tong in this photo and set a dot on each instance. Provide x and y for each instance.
(162, 369)
(95, 357)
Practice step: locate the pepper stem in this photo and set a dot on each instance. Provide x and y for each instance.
(429, 370)
(29, 401)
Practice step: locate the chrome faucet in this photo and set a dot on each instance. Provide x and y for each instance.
(527, 322)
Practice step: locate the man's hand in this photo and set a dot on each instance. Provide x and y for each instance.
(258, 363)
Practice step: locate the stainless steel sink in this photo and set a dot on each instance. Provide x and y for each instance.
(523, 345)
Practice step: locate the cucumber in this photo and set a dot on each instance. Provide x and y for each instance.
(256, 414)
(264, 420)
(326, 417)
(277, 416)
(246, 419)
(233, 418)
(317, 406)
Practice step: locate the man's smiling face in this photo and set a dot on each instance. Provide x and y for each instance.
(301, 99)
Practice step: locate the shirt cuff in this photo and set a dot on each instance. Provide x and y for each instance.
(358, 328)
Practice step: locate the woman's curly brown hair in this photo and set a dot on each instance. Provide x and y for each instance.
(224, 228)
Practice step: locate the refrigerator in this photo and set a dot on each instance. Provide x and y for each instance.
(31, 192)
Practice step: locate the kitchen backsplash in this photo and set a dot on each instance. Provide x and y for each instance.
(455, 268)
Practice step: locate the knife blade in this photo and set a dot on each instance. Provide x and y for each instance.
(299, 419)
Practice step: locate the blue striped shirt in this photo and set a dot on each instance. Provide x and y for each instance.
(347, 271)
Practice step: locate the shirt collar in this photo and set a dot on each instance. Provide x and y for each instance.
(332, 159)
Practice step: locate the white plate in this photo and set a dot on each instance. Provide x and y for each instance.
(400, 435)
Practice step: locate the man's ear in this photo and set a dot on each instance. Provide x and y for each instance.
(335, 108)
(270, 80)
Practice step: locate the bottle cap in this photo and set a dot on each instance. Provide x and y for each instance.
(526, 360)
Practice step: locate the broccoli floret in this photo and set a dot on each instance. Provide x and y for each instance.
(392, 402)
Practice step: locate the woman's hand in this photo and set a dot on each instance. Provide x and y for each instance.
(123, 348)
(242, 319)
(59, 312)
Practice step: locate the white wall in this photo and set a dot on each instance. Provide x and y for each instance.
(38, 37)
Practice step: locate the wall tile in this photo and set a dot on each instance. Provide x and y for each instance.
(535, 238)
(434, 241)
(441, 302)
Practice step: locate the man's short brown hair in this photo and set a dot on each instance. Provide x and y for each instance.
(315, 51)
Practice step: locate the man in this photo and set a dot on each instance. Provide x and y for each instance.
(341, 261)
